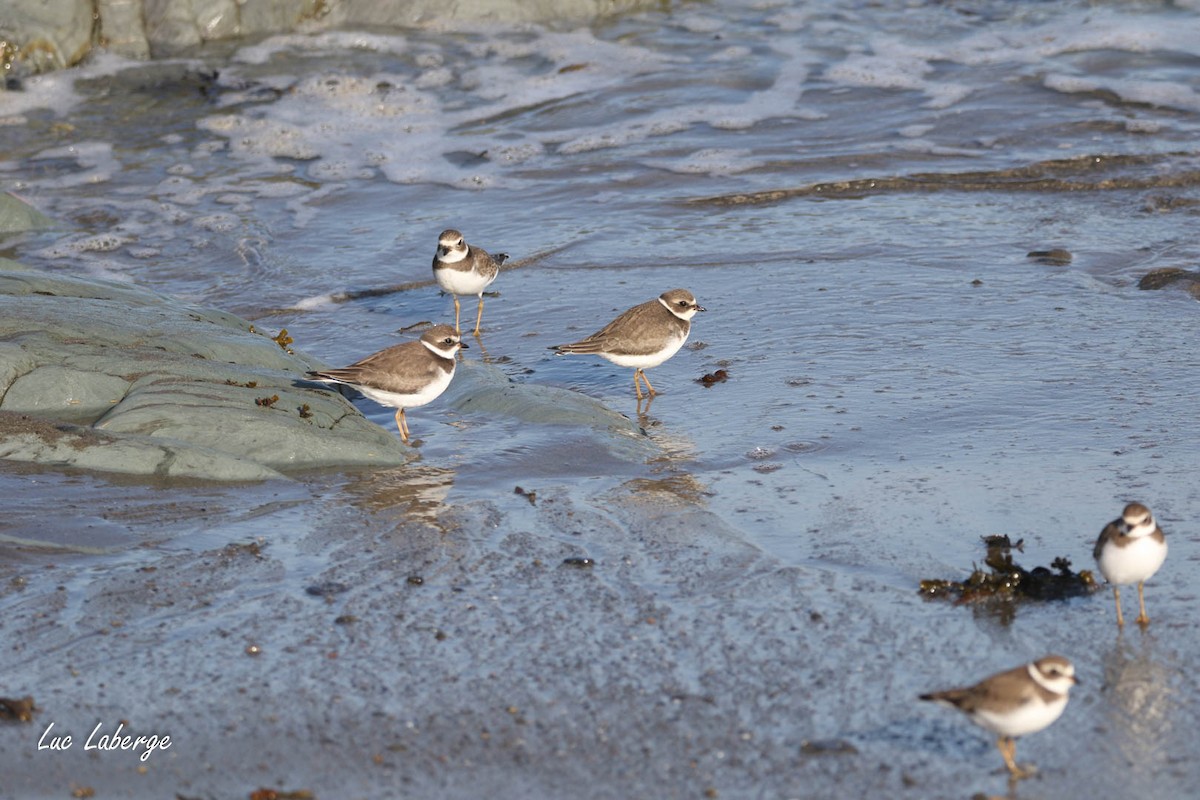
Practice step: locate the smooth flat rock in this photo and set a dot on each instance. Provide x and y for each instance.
(175, 389)
(40, 441)
(70, 395)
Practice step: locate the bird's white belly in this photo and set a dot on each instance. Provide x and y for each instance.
(1135, 562)
(397, 400)
(1029, 718)
(462, 282)
(647, 361)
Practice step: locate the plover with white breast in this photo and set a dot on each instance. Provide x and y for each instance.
(642, 337)
(1014, 703)
(1130, 550)
(402, 376)
(461, 269)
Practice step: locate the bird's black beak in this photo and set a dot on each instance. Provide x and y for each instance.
(463, 345)
(700, 307)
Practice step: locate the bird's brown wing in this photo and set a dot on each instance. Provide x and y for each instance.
(616, 337)
(1111, 531)
(402, 368)
(486, 264)
(1004, 691)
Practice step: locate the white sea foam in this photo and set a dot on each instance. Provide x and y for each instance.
(315, 302)
(55, 91)
(1154, 93)
(321, 44)
(52, 90)
(891, 61)
(711, 161)
(408, 125)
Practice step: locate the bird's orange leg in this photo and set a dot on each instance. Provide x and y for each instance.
(402, 425)
(479, 316)
(649, 388)
(1008, 749)
(1142, 619)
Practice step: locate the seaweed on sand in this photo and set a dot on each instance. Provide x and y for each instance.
(1003, 579)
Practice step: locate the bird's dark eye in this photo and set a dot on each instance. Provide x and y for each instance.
(448, 341)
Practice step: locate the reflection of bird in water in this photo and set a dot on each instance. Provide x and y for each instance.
(1141, 702)
(414, 490)
(680, 488)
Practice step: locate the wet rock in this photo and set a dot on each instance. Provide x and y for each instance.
(45, 34)
(1057, 257)
(17, 216)
(105, 376)
(1169, 276)
(1089, 173)
(39, 441)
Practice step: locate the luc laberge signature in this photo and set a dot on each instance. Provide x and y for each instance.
(98, 740)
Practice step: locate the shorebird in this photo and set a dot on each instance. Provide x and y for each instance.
(461, 270)
(1130, 550)
(1014, 703)
(404, 375)
(642, 337)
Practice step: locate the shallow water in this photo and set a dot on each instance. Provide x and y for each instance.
(851, 189)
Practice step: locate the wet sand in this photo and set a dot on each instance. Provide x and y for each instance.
(613, 642)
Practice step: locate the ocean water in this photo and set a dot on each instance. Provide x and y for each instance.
(850, 188)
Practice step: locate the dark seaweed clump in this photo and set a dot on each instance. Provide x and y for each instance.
(1004, 580)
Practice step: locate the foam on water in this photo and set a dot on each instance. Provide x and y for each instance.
(53, 90)
(495, 108)
(316, 302)
(1155, 93)
(711, 99)
(358, 125)
(319, 45)
(484, 108)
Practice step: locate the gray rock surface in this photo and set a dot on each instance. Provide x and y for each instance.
(106, 376)
(17, 216)
(51, 34)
